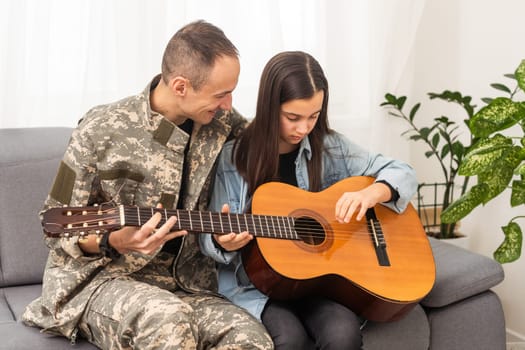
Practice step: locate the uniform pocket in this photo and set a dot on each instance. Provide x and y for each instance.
(120, 184)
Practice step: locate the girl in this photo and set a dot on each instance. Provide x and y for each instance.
(289, 140)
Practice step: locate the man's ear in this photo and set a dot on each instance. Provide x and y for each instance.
(179, 85)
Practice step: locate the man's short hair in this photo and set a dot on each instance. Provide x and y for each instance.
(192, 51)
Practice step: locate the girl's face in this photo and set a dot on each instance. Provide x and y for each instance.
(298, 118)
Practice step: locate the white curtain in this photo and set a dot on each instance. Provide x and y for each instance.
(58, 58)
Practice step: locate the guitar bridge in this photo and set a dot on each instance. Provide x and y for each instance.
(377, 237)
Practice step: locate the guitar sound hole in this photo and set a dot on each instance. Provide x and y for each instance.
(310, 231)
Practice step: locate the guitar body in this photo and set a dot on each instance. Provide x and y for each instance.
(341, 262)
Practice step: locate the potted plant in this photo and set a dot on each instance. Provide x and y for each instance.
(497, 160)
(443, 144)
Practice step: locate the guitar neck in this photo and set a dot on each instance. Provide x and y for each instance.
(210, 222)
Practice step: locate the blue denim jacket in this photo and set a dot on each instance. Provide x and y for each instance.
(341, 159)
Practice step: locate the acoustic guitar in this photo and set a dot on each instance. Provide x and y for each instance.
(380, 267)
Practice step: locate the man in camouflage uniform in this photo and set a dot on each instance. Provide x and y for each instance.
(146, 287)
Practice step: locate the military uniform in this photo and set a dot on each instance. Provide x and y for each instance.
(127, 153)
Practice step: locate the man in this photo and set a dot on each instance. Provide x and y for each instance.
(146, 287)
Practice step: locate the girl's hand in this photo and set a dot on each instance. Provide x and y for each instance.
(232, 241)
(358, 202)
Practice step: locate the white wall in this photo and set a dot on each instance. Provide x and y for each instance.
(466, 45)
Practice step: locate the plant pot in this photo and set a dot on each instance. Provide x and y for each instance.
(431, 219)
(460, 240)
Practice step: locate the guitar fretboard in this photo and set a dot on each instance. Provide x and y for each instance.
(205, 221)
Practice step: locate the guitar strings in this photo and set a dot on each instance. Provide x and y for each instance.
(315, 227)
(312, 230)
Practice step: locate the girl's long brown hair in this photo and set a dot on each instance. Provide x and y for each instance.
(287, 76)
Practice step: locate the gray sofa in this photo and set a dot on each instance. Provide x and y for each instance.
(461, 312)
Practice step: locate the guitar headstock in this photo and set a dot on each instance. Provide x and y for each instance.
(80, 221)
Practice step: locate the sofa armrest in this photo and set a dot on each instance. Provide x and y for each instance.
(460, 274)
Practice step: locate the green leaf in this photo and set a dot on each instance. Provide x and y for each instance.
(458, 149)
(396, 115)
(464, 204)
(510, 249)
(445, 150)
(424, 132)
(494, 161)
(447, 95)
(390, 100)
(520, 170)
(500, 175)
(497, 179)
(487, 100)
(401, 102)
(501, 87)
(484, 154)
(429, 154)
(413, 111)
(442, 120)
(455, 96)
(520, 75)
(500, 114)
(407, 132)
(445, 134)
(517, 196)
(435, 140)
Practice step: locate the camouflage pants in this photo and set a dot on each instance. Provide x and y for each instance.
(128, 314)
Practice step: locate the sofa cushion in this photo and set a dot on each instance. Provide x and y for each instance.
(474, 323)
(410, 332)
(12, 331)
(26, 173)
(460, 274)
(15, 336)
(5, 311)
(27, 169)
(18, 297)
(25, 144)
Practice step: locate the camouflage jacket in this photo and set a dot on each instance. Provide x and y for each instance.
(128, 153)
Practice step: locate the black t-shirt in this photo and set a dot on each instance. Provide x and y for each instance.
(287, 167)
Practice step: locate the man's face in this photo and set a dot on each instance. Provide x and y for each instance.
(215, 94)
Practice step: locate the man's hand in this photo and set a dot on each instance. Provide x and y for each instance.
(358, 202)
(146, 239)
(232, 241)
